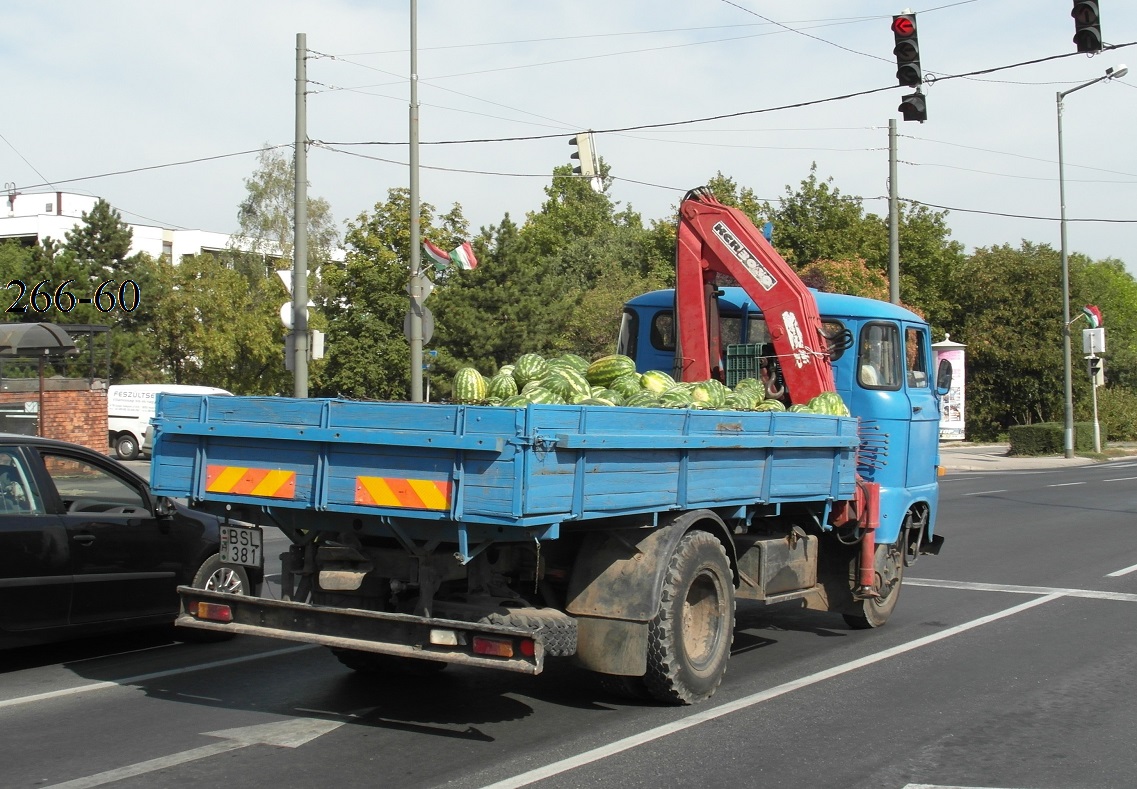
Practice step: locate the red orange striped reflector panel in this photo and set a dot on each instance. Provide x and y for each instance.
(418, 494)
(270, 483)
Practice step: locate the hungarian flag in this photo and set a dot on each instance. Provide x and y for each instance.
(441, 259)
(463, 257)
(1093, 315)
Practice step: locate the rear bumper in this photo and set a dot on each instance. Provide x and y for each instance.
(400, 635)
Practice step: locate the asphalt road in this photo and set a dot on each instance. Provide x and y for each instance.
(1011, 661)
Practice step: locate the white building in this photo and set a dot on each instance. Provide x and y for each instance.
(39, 215)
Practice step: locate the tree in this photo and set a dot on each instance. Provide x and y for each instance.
(102, 238)
(366, 299)
(1009, 317)
(817, 222)
(266, 219)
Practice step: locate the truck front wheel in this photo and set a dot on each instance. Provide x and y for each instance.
(690, 637)
(887, 576)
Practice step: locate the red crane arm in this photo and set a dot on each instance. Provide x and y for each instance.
(714, 238)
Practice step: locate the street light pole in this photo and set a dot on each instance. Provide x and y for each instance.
(1068, 424)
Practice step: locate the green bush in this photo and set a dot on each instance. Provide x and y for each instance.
(1117, 413)
(1048, 438)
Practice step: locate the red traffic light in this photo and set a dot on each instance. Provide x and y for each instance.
(903, 26)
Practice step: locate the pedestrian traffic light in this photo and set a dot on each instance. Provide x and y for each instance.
(1097, 376)
(1087, 26)
(907, 50)
(584, 154)
(914, 107)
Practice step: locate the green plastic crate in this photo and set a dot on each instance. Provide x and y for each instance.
(742, 361)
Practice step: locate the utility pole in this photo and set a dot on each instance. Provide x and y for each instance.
(416, 287)
(300, 227)
(893, 218)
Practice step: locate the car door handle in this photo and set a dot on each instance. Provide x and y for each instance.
(85, 539)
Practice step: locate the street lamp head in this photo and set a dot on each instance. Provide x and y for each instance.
(1118, 72)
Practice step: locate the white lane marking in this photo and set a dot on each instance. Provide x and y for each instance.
(1121, 572)
(952, 786)
(1119, 479)
(1064, 484)
(974, 586)
(985, 492)
(698, 718)
(117, 683)
(284, 734)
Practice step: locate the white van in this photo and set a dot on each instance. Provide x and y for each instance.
(130, 407)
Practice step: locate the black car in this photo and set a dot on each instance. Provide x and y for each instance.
(85, 548)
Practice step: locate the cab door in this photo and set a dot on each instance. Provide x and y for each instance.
(924, 432)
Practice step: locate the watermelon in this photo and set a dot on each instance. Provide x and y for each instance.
(753, 386)
(627, 385)
(643, 399)
(516, 400)
(529, 367)
(829, 403)
(607, 369)
(737, 402)
(675, 397)
(770, 405)
(505, 369)
(541, 395)
(469, 386)
(656, 381)
(578, 363)
(800, 408)
(595, 401)
(611, 395)
(502, 386)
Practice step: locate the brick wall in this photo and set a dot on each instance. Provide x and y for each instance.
(69, 414)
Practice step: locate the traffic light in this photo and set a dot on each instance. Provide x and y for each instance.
(1087, 26)
(1097, 375)
(914, 107)
(907, 50)
(584, 154)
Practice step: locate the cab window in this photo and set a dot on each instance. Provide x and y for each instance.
(878, 362)
(916, 357)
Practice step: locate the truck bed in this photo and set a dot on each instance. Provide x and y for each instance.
(536, 466)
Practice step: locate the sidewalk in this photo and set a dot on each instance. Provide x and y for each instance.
(957, 457)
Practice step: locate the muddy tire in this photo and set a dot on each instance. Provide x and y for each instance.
(887, 577)
(690, 637)
(556, 629)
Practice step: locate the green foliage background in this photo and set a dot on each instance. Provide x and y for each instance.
(555, 281)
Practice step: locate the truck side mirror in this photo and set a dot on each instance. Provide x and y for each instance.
(943, 377)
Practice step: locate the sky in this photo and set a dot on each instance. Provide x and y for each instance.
(102, 98)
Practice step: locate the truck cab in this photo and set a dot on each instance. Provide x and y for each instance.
(882, 369)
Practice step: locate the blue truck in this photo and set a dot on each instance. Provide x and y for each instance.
(429, 534)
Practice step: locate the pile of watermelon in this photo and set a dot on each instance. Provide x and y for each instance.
(613, 381)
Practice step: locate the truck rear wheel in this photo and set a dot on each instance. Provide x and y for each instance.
(690, 637)
(887, 576)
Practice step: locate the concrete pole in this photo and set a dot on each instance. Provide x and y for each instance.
(300, 227)
(893, 218)
(416, 289)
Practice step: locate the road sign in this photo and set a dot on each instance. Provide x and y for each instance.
(427, 325)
